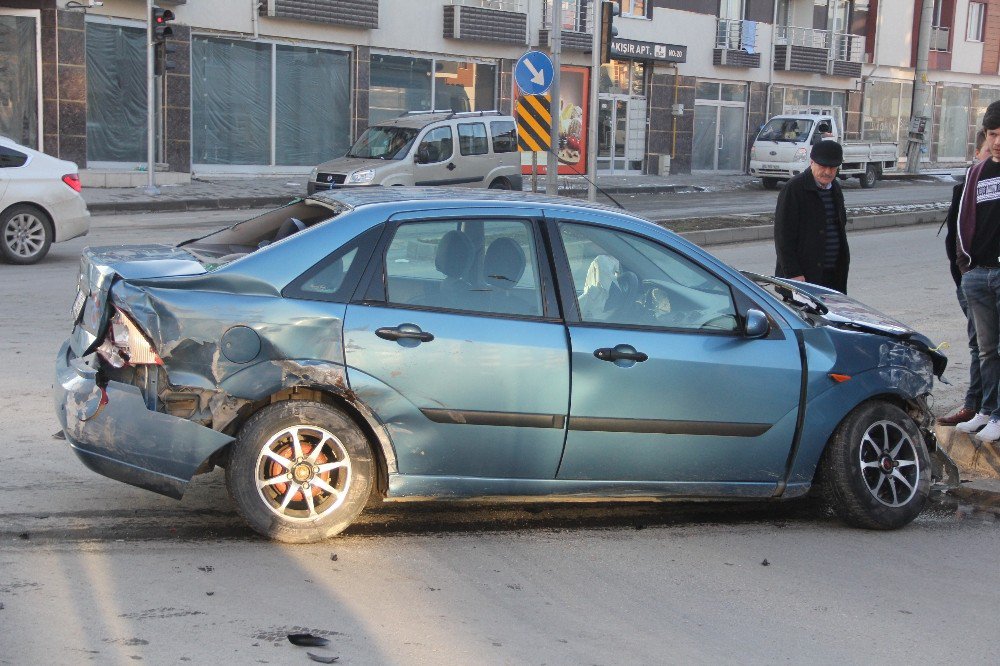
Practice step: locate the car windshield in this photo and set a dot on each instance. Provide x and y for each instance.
(796, 300)
(384, 143)
(794, 130)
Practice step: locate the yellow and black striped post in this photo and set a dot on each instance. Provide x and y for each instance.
(534, 123)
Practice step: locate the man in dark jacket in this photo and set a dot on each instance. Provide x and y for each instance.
(810, 221)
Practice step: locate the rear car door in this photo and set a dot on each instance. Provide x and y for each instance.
(456, 344)
(665, 387)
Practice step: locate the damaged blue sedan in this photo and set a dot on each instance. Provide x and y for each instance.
(395, 343)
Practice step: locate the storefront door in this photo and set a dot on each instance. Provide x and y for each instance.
(612, 130)
(719, 119)
(621, 118)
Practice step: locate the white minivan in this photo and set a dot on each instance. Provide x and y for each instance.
(471, 148)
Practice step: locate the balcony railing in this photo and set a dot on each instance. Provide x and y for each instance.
(576, 15)
(520, 6)
(790, 35)
(939, 38)
(848, 48)
(736, 35)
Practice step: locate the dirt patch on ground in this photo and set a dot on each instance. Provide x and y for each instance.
(722, 222)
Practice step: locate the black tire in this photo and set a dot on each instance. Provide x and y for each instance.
(869, 177)
(769, 183)
(25, 234)
(500, 184)
(875, 472)
(274, 510)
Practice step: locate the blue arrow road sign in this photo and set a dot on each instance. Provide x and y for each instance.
(533, 73)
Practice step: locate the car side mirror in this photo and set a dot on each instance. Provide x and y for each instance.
(757, 325)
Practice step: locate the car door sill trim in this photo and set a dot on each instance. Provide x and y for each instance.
(654, 426)
(515, 419)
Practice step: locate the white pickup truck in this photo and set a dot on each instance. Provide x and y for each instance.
(781, 149)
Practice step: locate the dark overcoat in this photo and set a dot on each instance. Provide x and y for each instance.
(800, 231)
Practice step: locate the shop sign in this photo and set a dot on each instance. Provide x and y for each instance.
(632, 49)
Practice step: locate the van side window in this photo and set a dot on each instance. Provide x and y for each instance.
(437, 144)
(472, 139)
(504, 136)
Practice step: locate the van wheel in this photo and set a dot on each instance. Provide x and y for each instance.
(300, 471)
(875, 472)
(500, 184)
(869, 177)
(769, 183)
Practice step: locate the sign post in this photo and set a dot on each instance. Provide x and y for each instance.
(533, 74)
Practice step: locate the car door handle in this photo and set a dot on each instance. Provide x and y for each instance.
(620, 353)
(404, 332)
(451, 166)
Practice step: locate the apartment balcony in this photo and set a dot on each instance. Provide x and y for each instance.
(577, 34)
(487, 20)
(940, 39)
(351, 13)
(736, 43)
(818, 51)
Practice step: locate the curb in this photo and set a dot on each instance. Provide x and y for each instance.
(766, 231)
(972, 457)
(182, 205)
(984, 500)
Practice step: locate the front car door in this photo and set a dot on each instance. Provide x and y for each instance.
(458, 348)
(665, 387)
(435, 158)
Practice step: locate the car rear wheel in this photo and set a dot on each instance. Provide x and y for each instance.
(500, 184)
(875, 472)
(769, 183)
(300, 471)
(25, 234)
(869, 177)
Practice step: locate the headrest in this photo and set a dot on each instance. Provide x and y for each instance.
(504, 263)
(455, 254)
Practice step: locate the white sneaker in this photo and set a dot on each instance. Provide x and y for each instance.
(991, 432)
(974, 424)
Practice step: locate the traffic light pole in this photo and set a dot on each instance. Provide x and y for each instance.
(592, 114)
(150, 104)
(552, 164)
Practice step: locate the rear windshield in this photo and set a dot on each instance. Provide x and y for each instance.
(786, 129)
(384, 143)
(235, 242)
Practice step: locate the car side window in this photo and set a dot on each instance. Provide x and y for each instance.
(504, 136)
(335, 277)
(10, 158)
(474, 265)
(472, 139)
(620, 278)
(436, 145)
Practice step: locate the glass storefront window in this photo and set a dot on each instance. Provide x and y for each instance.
(734, 92)
(116, 93)
(986, 95)
(19, 80)
(820, 98)
(706, 90)
(400, 84)
(310, 80)
(230, 101)
(953, 126)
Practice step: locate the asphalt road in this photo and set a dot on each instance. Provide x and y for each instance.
(93, 570)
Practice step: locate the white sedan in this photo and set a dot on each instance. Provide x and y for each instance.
(40, 203)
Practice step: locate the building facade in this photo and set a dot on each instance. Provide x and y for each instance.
(276, 86)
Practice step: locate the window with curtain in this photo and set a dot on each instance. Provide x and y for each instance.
(953, 126)
(400, 84)
(116, 93)
(19, 79)
(310, 82)
(230, 101)
(977, 15)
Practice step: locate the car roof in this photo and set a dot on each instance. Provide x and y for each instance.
(357, 197)
(420, 120)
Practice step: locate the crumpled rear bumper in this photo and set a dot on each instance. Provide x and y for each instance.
(113, 432)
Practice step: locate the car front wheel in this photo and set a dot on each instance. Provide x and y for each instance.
(300, 471)
(25, 234)
(875, 472)
(769, 183)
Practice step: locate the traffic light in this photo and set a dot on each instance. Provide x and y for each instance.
(161, 58)
(609, 10)
(159, 19)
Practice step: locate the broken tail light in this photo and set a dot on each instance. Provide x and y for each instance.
(73, 180)
(126, 345)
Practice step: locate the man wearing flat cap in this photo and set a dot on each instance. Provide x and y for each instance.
(809, 222)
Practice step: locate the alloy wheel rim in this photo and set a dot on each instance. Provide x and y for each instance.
(24, 235)
(303, 473)
(889, 463)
